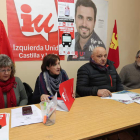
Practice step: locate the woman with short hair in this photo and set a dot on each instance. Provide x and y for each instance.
(12, 91)
(47, 83)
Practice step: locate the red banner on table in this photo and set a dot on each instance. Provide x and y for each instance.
(2, 120)
(32, 29)
(66, 91)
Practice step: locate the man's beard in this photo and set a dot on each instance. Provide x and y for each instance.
(84, 37)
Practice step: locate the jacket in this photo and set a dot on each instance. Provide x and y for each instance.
(90, 78)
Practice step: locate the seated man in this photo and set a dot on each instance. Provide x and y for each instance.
(98, 77)
(130, 74)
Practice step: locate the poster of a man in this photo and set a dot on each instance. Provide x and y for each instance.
(86, 39)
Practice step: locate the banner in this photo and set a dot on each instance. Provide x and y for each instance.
(32, 28)
(66, 27)
(91, 18)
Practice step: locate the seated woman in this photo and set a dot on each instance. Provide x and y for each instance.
(12, 92)
(48, 81)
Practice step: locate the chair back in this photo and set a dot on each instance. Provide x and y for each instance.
(29, 92)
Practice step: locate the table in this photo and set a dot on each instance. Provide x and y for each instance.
(89, 117)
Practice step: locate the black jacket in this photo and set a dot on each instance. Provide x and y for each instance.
(90, 78)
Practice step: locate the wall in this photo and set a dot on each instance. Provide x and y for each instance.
(126, 12)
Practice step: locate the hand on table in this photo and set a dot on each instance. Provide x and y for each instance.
(104, 93)
(44, 97)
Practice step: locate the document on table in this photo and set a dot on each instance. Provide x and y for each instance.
(118, 97)
(137, 101)
(135, 97)
(61, 106)
(17, 119)
(4, 122)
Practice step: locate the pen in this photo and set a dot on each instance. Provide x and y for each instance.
(50, 96)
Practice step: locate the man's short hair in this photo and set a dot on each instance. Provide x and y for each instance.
(138, 53)
(86, 3)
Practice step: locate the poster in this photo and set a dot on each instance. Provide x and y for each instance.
(32, 28)
(66, 27)
(91, 18)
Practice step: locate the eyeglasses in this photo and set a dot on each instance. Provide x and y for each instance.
(4, 71)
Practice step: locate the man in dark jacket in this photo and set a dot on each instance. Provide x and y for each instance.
(98, 77)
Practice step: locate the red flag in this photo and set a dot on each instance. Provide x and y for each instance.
(5, 47)
(113, 53)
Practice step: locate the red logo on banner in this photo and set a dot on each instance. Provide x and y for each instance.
(76, 55)
(27, 21)
(82, 53)
(32, 29)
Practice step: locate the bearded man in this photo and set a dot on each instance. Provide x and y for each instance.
(130, 74)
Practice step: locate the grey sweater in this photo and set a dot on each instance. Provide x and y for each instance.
(20, 93)
(130, 76)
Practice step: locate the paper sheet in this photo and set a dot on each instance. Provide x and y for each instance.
(17, 119)
(133, 95)
(4, 131)
(118, 97)
(137, 101)
(61, 106)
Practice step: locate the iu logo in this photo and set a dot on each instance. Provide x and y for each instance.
(36, 17)
(63, 95)
(76, 55)
(82, 53)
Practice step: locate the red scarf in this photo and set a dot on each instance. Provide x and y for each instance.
(7, 87)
